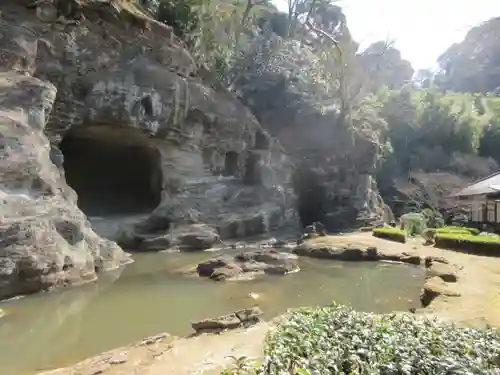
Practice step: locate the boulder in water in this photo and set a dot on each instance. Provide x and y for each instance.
(258, 261)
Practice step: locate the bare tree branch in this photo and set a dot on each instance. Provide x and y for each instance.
(346, 110)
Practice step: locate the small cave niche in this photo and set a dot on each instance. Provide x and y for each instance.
(262, 142)
(253, 167)
(113, 171)
(231, 164)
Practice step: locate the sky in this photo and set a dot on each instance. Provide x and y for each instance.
(421, 29)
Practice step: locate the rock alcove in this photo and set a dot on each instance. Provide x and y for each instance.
(114, 172)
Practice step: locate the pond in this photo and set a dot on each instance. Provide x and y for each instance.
(150, 296)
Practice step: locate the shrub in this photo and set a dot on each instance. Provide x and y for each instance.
(338, 340)
(468, 242)
(413, 223)
(389, 233)
(433, 219)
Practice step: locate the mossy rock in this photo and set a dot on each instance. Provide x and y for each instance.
(393, 234)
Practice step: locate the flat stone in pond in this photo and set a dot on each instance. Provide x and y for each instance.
(337, 253)
(240, 318)
(258, 261)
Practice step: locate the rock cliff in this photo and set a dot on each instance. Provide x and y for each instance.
(100, 100)
(333, 168)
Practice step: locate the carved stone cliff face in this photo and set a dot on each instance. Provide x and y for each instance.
(132, 133)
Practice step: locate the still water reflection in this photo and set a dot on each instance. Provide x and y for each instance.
(149, 296)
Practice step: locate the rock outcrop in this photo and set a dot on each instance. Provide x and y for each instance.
(132, 129)
(45, 240)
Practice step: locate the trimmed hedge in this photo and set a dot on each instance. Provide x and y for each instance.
(389, 233)
(337, 340)
(468, 242)
(454, 229)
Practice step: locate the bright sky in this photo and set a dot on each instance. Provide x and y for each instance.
(421, 29)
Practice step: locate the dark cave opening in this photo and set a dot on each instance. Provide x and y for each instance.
(231, 163)
(311, 196)
(112, 174)
(311, 205)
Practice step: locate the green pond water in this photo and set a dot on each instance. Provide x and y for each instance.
(150, 296)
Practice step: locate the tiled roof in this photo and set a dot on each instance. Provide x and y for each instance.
(487, 185)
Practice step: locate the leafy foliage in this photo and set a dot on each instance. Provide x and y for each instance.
(434, 130)
(338, 340)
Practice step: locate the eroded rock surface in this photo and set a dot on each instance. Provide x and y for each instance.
(45, 240)
(435, 287)
(446, 272)
(189, 237)
(250, 262)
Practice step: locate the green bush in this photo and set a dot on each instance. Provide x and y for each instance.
(413, 223)
(338, 340)
(389, 233)
(433, 219)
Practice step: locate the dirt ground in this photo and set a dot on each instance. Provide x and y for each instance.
(478, 305)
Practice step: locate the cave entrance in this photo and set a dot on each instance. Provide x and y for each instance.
(311, 205)
(113, 171)
(311, 196)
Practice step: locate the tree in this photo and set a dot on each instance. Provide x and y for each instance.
(328, 23)
(424, 78)
(384, 66)
(474, 64)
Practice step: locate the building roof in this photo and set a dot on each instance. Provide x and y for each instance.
(487, 185)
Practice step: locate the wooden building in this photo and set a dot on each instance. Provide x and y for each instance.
(482, 199)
